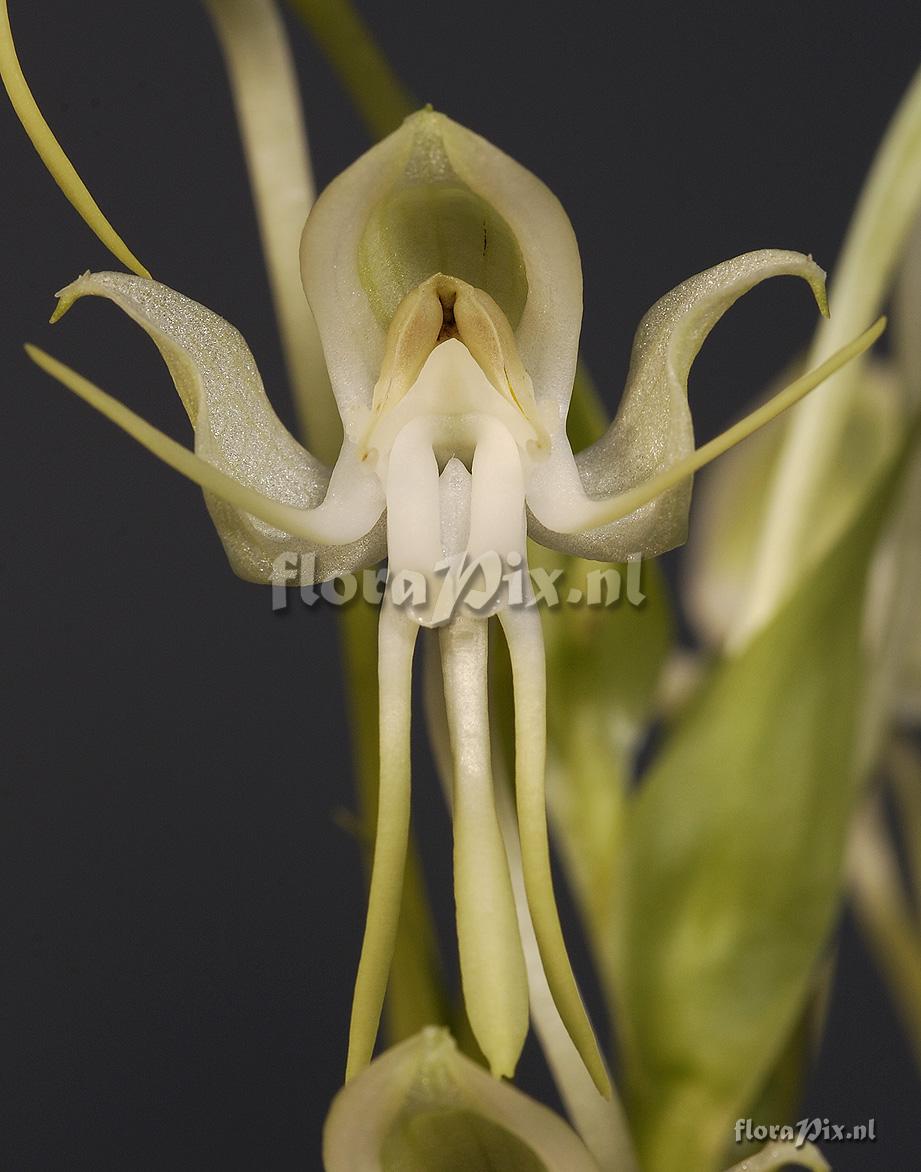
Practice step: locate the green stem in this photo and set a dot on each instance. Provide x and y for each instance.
(348, 44)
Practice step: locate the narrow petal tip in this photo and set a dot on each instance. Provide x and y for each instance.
(65, 301)
(820, 292)
(817, 279)
(70, 294)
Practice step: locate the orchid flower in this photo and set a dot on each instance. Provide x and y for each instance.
(446, 287)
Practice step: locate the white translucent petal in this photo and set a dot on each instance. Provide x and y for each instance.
(432, 152)
(414, 541)
(425, 1077)
(238, 433)
(652, 431)
(455, 490)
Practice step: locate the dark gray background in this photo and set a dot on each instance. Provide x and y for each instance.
(182, 915)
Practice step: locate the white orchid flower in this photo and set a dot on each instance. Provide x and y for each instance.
(446, 286)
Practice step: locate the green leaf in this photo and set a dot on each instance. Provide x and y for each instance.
(782, 1093)
(732, 860)
(731, 498)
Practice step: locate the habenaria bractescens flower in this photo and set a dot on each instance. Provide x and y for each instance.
(446, 285)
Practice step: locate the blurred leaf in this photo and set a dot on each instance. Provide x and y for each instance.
(782, 1093)
(732, 860)
(731, 497)
(609, 653)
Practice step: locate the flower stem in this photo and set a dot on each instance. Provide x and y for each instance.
(379, 96)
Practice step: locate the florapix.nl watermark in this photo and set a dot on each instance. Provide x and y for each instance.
(805, 1131)
(480, 585)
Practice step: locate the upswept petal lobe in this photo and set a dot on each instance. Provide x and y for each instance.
(652, 430)
(238, 432)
